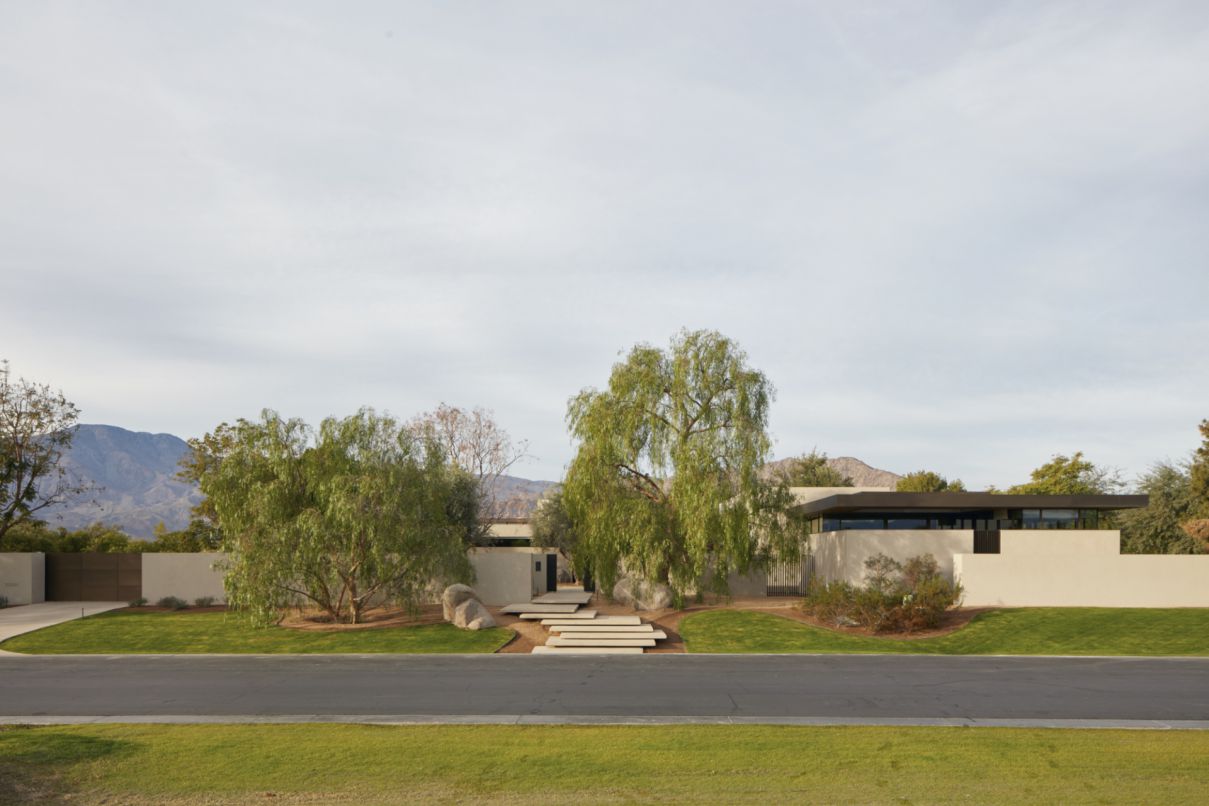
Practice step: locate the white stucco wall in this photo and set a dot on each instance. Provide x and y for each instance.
(1094, 580)
(840, 556)
(511, 530)
(187, 576)
(23, 577)
(509, 575)
(1060, 541)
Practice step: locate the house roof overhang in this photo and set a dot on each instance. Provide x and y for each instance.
(959, 502)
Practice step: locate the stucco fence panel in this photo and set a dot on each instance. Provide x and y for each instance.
(508, 575)
(1127, 580)
(840, 556)
(187, 576)
(23, 577)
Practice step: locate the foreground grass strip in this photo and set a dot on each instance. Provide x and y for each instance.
(121, 632)
(1025, 631)
(136, 764)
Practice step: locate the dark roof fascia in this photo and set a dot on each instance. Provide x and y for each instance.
(941, 502)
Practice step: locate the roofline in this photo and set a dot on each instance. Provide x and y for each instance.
(944, 501)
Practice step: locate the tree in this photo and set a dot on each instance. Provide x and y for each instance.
(472, 442)
(665, 481)
(1199, 472)
(925, 481)
(811, 470)
(341, 517)
(36, 426)
(1070, 475)
(1158, 528)
(552, 524)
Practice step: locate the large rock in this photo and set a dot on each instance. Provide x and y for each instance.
(471, 615)
(642, 595)
(453, 596)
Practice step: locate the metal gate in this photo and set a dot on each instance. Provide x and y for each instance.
(94, 577)
(788, 578)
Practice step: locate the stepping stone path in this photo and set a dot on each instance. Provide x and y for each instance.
(584, 632)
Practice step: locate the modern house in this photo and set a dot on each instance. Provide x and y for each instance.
(1060, 550)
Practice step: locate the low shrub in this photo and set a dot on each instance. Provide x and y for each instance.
(173, 602)
(139, 602)
(896, 597)
(203, 601)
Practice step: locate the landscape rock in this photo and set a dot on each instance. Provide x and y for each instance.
(471, 615)
(642, 595)
(453, 596)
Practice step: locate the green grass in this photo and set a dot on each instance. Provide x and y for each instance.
(119, 632)
(225, 764)
(1027, 631)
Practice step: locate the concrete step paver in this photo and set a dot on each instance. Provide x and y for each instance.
(586, 650)
(578, 615)
(638, 642)
(531, 607)
(657, 635)
(554, 621)
(588, 626)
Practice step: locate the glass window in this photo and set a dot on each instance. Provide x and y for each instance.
(907, 523)
(1060, 518)
(1031, 518)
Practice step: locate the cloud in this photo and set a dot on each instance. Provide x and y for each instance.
(956, 237)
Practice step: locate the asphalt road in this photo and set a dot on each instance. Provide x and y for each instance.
(650, 687)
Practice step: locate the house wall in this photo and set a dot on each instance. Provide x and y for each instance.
(23, 577)
(1060, 541)
(508, 575)
(840, 556)
(1095, 580)
(511, 530)
(187, 576)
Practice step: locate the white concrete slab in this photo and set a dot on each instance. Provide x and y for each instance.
(556, 620)
(27, 618)
(564, 597)
(578, 615)
(530, 607)
(587, 650)
(589, 626)
(657, 635)
(559, 641)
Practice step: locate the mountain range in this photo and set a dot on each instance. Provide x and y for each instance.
(136, 485)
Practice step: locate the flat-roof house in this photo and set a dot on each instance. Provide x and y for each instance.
(1004, 549)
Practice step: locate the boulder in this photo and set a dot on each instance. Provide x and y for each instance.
(471, 615)
(453, 596)
(642, 595)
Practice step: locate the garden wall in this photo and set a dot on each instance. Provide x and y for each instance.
(23, 577)
(840, 556)
(187, 576)
(1095, 580)
(508, 575)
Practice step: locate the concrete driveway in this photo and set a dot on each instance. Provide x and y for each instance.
(27, 618)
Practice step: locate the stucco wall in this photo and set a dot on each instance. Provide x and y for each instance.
(23, 577)
(840, 556)
(186, 576)
(1060, 541)
(508, 575)
(511, 530)
(1100, 580)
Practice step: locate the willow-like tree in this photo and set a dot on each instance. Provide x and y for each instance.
(342, 517)
(665, 481)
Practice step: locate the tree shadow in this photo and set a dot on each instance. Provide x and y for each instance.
(36, 761)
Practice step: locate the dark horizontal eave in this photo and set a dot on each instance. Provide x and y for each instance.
(957, 502)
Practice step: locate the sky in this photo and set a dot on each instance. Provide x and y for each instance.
(958, 236)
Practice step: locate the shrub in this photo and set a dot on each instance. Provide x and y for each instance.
(897, 597)
(173, 602)
(203, 601)
(139, 602)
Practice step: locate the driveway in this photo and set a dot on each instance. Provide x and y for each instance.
(27, 618)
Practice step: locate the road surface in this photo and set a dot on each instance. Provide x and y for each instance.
(736, 688)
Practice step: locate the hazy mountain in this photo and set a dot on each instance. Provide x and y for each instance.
(862, 475)
(135, 472)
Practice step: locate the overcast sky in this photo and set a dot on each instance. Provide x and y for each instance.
(960, 236)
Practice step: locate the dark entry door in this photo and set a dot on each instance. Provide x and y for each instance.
(94, 577)
(551, 572)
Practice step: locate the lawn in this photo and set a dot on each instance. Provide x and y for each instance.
(1026, 631)
(227, 764)
(129, 631)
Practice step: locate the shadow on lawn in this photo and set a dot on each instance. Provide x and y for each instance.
(34, 761)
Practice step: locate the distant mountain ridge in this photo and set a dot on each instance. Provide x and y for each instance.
(862, 475)
(136, 472)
